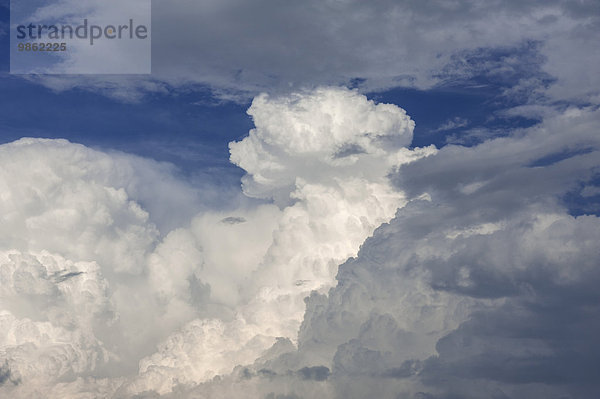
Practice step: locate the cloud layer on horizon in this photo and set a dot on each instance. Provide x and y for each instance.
(239, 49)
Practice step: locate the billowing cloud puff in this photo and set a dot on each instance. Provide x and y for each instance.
(65, 208)
(50, 306)
(150, 306)
(319, 137)
(329, 202)
(74, 246)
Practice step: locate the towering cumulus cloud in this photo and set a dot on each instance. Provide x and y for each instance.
(101, 297)
(323, 158)
(484, 288)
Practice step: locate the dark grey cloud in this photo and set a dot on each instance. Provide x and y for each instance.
(6, 376)
(317, 373)
(61, 277)
(233, 220)
(506, 175)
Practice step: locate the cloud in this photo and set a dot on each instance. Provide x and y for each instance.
(239, 49)
(94, 54)
(6, 375)
(103, 276)
(324, 207)
(484, 287)
(505, 262)
(329, 134)
(451, 124)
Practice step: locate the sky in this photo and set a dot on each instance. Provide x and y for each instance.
(316, 199)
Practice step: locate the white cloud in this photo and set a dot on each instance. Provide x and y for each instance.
(198, 300)
(328, 204)
(49, 308)
(450, 124)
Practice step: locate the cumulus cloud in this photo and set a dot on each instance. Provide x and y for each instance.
(75, 239)
(484, 288)
(142, 305)
(324, 207)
